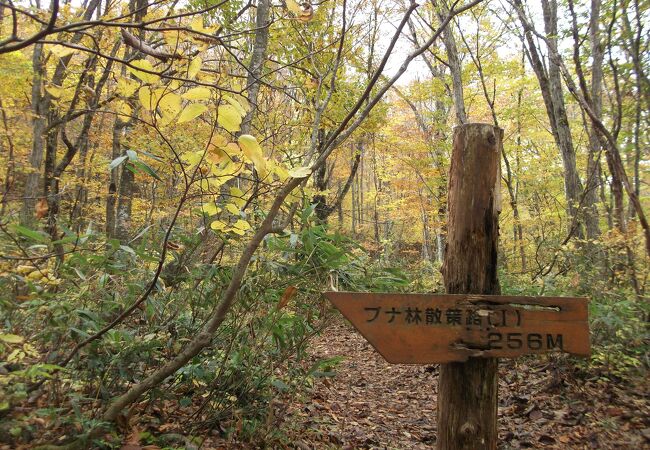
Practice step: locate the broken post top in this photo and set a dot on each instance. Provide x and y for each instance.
(470, 264)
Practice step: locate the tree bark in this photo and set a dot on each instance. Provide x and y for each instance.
(550, 84)
(467, 396)
(454, 66)
(127, 177)
(572, 184)
(39, 110)
(591, 185)
(257, 61)
(111, 198)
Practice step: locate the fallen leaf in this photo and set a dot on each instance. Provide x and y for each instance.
(288, 294)
(41, 208)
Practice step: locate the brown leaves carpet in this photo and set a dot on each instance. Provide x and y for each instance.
(544, 402)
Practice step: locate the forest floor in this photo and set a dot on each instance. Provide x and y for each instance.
(547, 402)
(543, 403)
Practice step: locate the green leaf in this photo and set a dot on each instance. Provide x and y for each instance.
(294, 7)
(11, 338)
(34, 235)
(61, 51)
(144, 167)
(117, 161)
(280, 385)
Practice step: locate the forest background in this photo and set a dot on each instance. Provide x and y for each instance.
(181, 180)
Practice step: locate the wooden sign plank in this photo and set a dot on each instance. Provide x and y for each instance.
(431, 328)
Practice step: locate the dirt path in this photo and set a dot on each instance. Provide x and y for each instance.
(372, 404)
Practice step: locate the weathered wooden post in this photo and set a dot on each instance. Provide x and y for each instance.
(469, 327)
(467, 392)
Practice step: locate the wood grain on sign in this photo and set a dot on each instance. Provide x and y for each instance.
(430, 328)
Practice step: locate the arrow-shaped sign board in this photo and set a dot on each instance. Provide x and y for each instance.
(431, 328)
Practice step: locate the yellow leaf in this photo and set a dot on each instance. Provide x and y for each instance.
(124, 110)
(194, 67)
(216, 154)
(197, 24)
(54, 91)
(218, 225)
(294, 7)
(170, 104)
(240, 109)
(232, 209)
(280, 171)
(192, 158)
(210, 209)
(219, 140)
(172, 38)
(229, 118)
(126, 87)
(300, 172)
(191, 112)
(198, 93)
(144, 76)
(253, 151)
(147, 98)
(25, 269)
(232, 149)
(61, 52)
(241, 225)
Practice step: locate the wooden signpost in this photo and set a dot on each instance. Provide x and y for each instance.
(468, 329)
(427, 329)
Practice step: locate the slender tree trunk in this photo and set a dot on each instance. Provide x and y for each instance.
(258, 57)
(40, 107)
(11, 163)
(111, 198)
(454, 65)
(591, 186)
(467, 392)
(125, 202)
(127, 177)
(550, 84)
(353, 204)
(377, 183)
(572, 184)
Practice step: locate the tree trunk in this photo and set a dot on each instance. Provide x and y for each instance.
(572, 184)
(111, 198)
(467, 393)
(257, 61)
(11, 162)
(591, 185)
(39, 110)
(550, 84)
(124, 204)
(454, 66)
